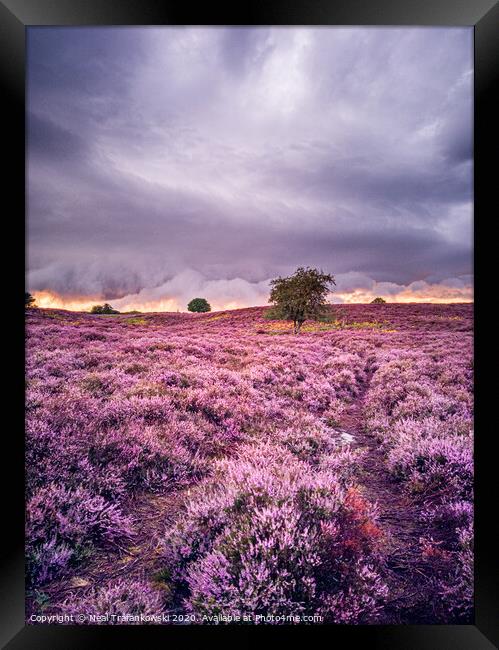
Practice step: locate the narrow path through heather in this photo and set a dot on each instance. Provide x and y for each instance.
(398, 520)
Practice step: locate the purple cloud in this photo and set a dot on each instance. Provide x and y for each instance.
(236, 154)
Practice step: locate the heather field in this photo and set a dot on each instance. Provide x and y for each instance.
(214, 467)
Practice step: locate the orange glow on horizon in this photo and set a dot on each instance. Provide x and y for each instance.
(52, 300)
(352, 299)
(436, 294)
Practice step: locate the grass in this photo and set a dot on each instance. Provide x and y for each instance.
(92, 383)
(213, 318)
(286, 327)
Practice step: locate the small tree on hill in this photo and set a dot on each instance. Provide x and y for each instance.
(378, 301)
(29, 300)
(199, 305)
(302, 296)
(103, 309)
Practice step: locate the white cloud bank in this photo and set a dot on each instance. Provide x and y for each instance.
(351, 287)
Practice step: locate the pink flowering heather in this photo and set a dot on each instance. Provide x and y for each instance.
(223, 466)
(270, 535)
(129, 602)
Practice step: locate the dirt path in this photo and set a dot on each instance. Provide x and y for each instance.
(140, 558)
(398, 519)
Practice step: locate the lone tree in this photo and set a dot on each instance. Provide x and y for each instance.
(29, 301)
(103, 309)
(302, 296)
(378, 301)
(199, 305)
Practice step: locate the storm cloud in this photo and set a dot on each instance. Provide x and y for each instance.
(167, 162)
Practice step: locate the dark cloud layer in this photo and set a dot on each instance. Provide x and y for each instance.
(231, 155)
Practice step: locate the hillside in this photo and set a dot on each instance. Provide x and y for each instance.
(199, 465)
(408, 316)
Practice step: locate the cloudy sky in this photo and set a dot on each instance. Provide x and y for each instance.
(170, 163)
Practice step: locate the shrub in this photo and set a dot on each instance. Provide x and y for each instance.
(271, 536)
(199, 305)
(47, 561)
(63, 525)
(378, 301)
(435, 466)
(124, 601)
(103, 309)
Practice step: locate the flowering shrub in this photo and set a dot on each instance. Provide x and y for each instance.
(63, 525)
(272, 536)
(121, 602)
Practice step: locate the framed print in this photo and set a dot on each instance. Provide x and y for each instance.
(249, 349)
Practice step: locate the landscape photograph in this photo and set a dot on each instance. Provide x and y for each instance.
(249, 326)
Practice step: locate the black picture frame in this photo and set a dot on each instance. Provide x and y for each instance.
(15, 17)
